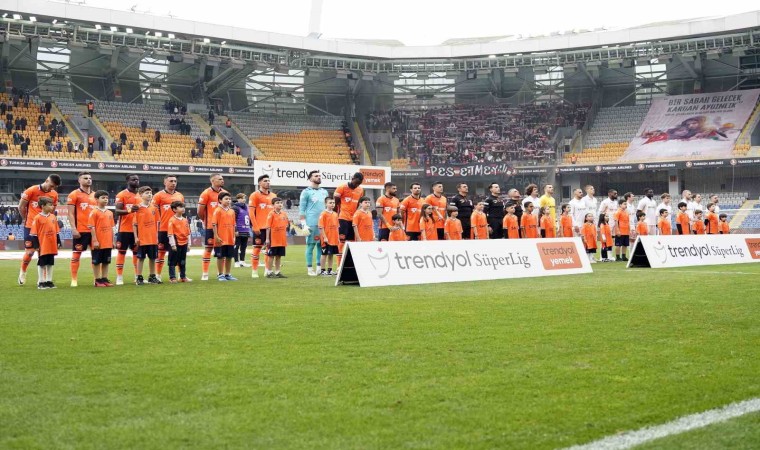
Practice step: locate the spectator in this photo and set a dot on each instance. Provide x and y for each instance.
(145, 144)
(11, 237)
(80, 149)
(24, 148)
(101, 143)
(249, 161)
(144, 125)
(131, 145)
(211, 118)
(113, 148)
(212, 133)
(157, 137)
(48, 107)
(69, 147)
(123, 137)
(90, 109)
(192, 153)
(228, 123)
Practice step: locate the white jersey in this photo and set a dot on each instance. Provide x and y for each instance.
(694, 206)
(578, 211)
(608, 206)
(648, 205)
(631, 210)
(592, 204)
(667, 207)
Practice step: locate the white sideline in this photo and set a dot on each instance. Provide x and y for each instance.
(630, 439)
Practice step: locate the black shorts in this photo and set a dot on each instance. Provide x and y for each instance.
(441, 233)
(622, 241)
(30, 241)
(413, 235)
(163, 241)
(46, 260)
(83, 242)
(385, 234)
(497, 229)
(224, 251)
(276, 251)
(209, 238)
(328, 250)
(147, 251)
(125, 241)
(591, 251)
(101, 256)
(346, 230)
(259, 238)
(466, 230)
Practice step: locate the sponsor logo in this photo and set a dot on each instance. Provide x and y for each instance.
(733, 162)
(53, 164)
(101, 166)
(661, 252)
(641, 166)
(598, 168)
(3, 162)
(381, 263)
(191, 169)
(146, 167)
(703, 251)
(373, 176)
(689, 163)
(232, 170)
(268, 170)
(754, 247)
(559, 256)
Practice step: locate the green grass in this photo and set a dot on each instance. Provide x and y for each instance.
(742, 433)
(535, 363)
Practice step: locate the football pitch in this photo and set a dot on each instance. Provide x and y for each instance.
(539, 363)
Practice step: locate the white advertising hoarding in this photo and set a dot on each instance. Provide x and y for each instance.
(660, 252)
(285, 173)
(420, 262)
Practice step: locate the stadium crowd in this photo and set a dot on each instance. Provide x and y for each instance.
(464, 134)
(152, 225)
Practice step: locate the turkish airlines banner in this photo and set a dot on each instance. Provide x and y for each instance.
(697, 126)
(285, 173)
(660, 252)
(420, 262)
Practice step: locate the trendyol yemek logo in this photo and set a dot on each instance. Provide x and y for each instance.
(381, 263)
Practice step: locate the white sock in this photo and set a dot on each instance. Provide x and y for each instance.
(49, 271)
(40, 274)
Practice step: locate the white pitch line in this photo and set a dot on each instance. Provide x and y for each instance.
(630, 439)
(711, 272)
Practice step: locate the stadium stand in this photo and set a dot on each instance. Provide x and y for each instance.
(295, 137)
(612, 131)
(37, 137)
(477, 133)
(172, 147)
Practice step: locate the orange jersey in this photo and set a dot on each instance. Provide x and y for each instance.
(427, 227)
(453, 227)
(547, 224)
(623, 222)
(163, 202)
(398, 235)
(364, 225)
(146, 219)
(588, 231)
(46, 230)
(225, 221)
(210, 198)
(278, 223)
(179, 227)
(328, 221)
(664, 226)
(32, 196)
(349, 200)
(699, 227)
(712, 223)
(605, 232)
(511, 226)
(83, 204)
(642, 229)
(529, 224)
(412, 208)
(439, 204)
(259, 207)
(390, 208)
(101, 224)
(683, 219)
(724, 227)
(130, 200)
(479, 224)
(566, 222)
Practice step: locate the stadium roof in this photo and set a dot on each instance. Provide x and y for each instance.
(390, 49)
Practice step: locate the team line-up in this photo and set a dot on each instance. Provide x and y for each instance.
(152, 225)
